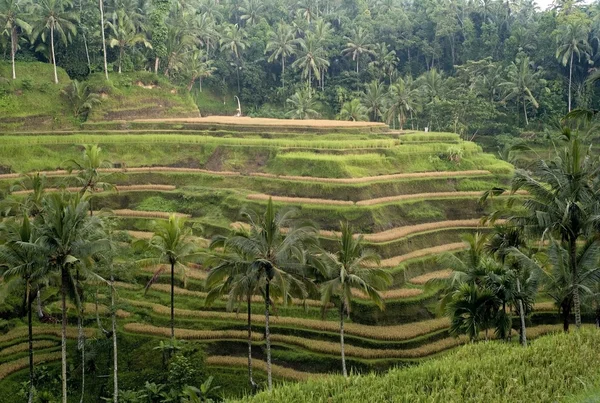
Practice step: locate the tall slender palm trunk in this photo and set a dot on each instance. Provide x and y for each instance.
(114, 337)
(172, 301)
(268, 336)
(30, 340)
(570, 78)
(101, 3)
(576, 299)
(63, 341)
(522, 331)
(249, 300)
(283, 71)
(53, 55)
(13, 50)
(342, 340)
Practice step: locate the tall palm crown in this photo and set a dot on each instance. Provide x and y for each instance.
(55, 19)
(358, 44)
(311, 58)
(281, 45)
(572, 39)
(348, 269)
(173, 244)
(374, 99)
(12, 19)
(274, 246)
(123, 35)
(564, 200)
(25, 265)
(521, 84)
(403, 102)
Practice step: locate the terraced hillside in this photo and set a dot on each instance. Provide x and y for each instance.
(411, 194)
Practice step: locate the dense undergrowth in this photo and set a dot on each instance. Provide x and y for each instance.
(552, 368)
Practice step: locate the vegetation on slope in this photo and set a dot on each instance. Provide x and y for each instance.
(548, 370)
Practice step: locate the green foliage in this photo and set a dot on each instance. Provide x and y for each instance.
(479, 372)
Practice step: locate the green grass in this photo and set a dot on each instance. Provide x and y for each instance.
(550, 369)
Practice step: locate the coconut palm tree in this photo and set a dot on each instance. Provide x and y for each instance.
(311, 58)
(197, 67)
(521, 84)
(374, 99)
(276, 256)
(12, 20)
(354, 111)
(70, 239)
(385, 61)
(347, 269)
(358, 44)
(282, 44)
(89, 175)
(563, 202)
(123, 35)
(80, 98)
(232, 275)
(55, 20)
(24, 264)
(234, 41)
(572, 39)
(251, 11)
(403, 101)
(173, 244)
(303, 106)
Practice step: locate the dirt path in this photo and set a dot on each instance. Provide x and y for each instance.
(130, 188)
(396, 260)
(357, 180)
(248, 121)
(424, 278)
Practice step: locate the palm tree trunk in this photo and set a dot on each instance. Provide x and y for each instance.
(357, 58)
(250, 340)
(81, 342)
(237, 72)
(309, 80)
(156, 63)
(40, 312)
(566, 312)
(172, 301)
(200, 82)
(268, 336)
(570, 77)
(121, 51)
(30, 340)
(13, 49)
(283, 71)
(87, 53)
(191, 84)
(576, 300)
(114, 336)
(101, 2)
(342, 340)
(63, 335)
(525, 112)
(52, 49)
(522, 331)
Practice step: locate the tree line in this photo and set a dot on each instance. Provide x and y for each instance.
(476, 67)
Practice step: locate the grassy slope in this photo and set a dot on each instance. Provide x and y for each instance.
(33, 102)
(550, 369)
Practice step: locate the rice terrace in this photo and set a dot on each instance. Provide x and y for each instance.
(299, 201)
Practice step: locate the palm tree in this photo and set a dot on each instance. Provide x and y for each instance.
(70, 240)
(354, 111)
(276, 256)
(80, 98)
(374, 99)
(172, 241)
(56, 20)
(385, 60)
(345, 270)
(12, 19)
(303, 106)
(197, 67)
(403, 101)
(232, 275)
(234, 41)
(281, 46)
(251, 11)
(572, 39)
(521, 84)
(563, 202)
(24, 264)
(102, 27)
(470, 309)
(89, 172)
(358, 44)
(311, 58)
(123, 34)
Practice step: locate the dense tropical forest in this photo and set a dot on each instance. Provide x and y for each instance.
(472, 67)
(291, 201)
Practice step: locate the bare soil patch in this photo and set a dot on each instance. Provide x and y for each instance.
(248, 121)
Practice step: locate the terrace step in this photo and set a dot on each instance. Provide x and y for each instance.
(396, 260)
